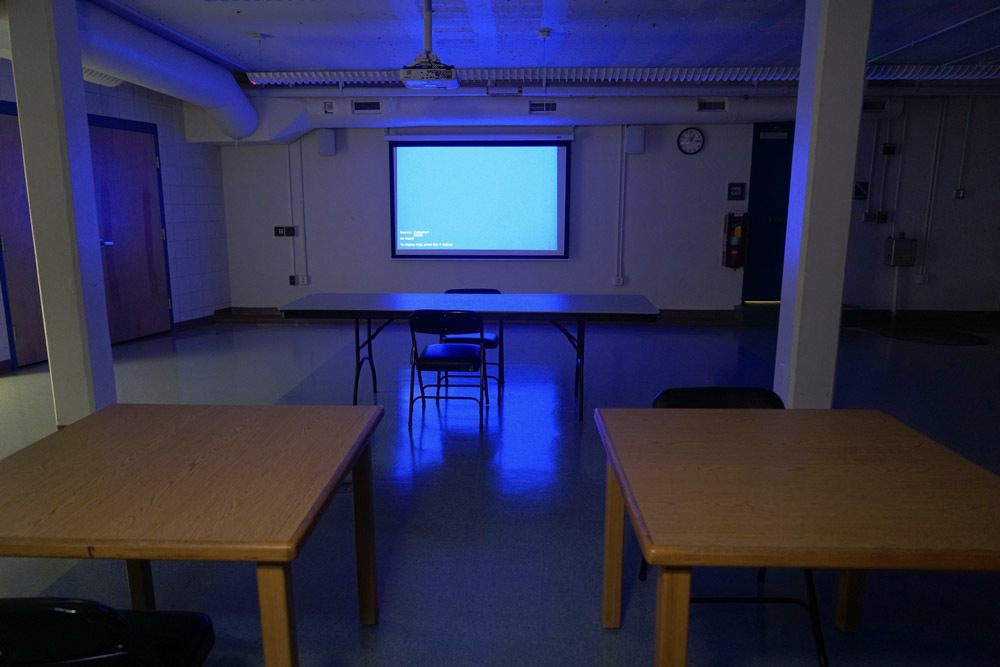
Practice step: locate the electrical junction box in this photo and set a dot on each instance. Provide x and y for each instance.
(900, 251)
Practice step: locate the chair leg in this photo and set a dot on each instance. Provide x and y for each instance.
(486, 382)
(817, 628)
(500, 356)
(412, 373)
(423, 392)
(482, 390)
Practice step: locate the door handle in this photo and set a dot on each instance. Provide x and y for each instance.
(106, 243)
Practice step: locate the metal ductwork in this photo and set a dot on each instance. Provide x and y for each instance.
(112, 48)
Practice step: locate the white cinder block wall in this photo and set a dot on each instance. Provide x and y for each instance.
(957, 238)
(191, 177)
(674, 212)
(673, 222)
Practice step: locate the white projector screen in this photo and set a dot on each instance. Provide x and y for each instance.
(481, 199)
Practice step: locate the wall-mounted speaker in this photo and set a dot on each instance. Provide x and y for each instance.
(635, 139)
(326, 142)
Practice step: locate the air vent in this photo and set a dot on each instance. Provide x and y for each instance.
(712, 104)
(541, 107)
(366, 106)
(875, 105)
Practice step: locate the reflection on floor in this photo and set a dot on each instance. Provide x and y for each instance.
(489, 544)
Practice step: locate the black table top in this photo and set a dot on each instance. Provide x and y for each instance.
(589, 307)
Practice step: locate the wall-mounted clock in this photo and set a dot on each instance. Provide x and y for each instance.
(690, 140)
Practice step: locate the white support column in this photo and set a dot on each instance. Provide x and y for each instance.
(55, 140)
(831, 86)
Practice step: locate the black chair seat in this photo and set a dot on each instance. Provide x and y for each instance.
(459, 357)
(490, 340)
(466, 360)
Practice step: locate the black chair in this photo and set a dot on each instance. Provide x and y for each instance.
(448, 358)
(62, 631)
(492, 341)
(743, 397)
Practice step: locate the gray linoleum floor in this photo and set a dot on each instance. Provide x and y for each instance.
(489, 545)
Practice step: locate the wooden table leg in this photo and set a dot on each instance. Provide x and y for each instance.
(364, 537)
(140, 584)
(673, 603)
(849, 599)
(614, 539)
(277, 614)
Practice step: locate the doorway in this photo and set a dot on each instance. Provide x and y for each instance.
(770, 174)
(130, 220)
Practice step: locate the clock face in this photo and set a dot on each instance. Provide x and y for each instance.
(690, 140)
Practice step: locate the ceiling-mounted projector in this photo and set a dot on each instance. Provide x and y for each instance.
(427, 72)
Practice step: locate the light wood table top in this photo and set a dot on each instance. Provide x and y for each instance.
(846, 489)
(802, 488)
(184, 482)
(196, 482)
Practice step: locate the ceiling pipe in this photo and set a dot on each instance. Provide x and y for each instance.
(116, 47)
(936, 33)
(427, 27)
(113, 47)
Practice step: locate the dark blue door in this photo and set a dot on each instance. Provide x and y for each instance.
(770, 172)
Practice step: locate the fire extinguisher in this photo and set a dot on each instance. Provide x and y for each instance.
(734, 251)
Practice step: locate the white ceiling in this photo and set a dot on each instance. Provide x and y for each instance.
(279, 35)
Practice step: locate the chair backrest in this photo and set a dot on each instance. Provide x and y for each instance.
(472, 290)
(718, 397)
(60, 631)
(446, 322)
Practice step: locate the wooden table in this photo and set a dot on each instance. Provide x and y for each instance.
(195, 482)
(553, 308)
(847, 489)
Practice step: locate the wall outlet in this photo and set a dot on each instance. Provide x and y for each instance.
(960, 193)
(618, 281)
(922, 278)
(302, 279)
(284, 231)
(291, 281)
